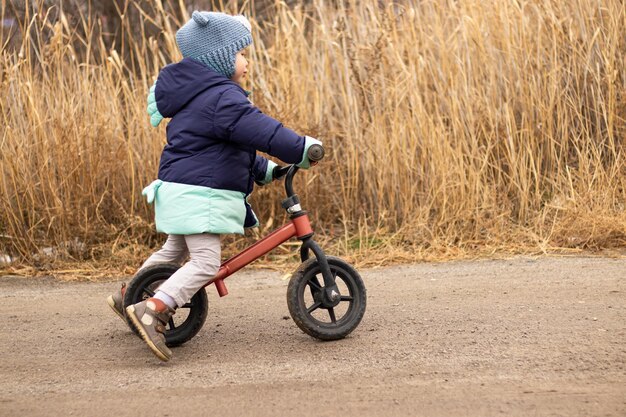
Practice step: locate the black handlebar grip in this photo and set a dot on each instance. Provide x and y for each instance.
(316, 152)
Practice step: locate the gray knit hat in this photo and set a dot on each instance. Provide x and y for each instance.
(214, 39)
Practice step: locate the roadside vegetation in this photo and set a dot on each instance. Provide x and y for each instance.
(454, 128)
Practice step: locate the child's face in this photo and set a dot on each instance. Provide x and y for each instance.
(241, 67)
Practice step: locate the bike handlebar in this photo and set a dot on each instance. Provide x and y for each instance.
(315, 153)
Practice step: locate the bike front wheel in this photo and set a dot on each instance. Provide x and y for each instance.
(316, 315)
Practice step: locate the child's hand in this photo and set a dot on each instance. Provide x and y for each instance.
(279, 172)
(306, 163)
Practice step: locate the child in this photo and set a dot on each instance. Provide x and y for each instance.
(208, 165)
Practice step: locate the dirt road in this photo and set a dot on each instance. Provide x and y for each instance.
(521, 337)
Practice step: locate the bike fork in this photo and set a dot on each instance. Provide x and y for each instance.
(331, 291)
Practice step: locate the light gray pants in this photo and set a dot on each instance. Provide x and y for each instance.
(204, 251)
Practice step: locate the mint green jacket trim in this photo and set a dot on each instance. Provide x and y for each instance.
(153, 111)
(269, 174)
(183, 209)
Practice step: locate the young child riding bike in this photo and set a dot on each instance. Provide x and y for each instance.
(208, 166)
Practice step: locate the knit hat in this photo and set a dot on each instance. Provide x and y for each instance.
(214, 39)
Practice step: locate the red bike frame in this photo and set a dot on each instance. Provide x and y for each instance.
(298, 227)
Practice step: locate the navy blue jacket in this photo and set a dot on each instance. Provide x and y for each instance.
(215, 131)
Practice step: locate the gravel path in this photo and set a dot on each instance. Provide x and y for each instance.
(520, 337)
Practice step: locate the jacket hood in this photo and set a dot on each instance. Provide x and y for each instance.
(181, 82)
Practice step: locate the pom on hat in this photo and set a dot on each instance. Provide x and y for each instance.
(199, 18)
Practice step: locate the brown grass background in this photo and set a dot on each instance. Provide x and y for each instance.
(454, 128)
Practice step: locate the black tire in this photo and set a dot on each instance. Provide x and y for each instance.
(318, 321)
(188, 319)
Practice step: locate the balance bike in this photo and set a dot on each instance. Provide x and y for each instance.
(327, 309)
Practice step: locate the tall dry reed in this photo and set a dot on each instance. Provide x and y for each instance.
(453, 127)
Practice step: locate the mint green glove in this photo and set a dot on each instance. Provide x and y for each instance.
(308, 141)
(153, 111)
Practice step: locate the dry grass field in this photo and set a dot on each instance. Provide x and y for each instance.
(454, 128)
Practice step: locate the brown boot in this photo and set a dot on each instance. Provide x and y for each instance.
(150, 318)
(116, 302)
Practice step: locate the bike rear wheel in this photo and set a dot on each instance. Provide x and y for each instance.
(187, 321)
